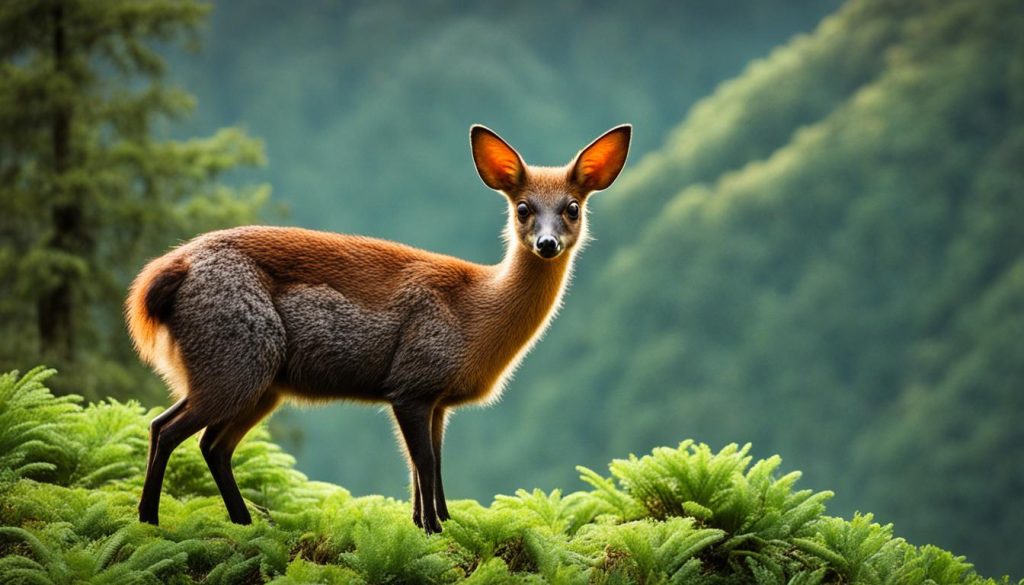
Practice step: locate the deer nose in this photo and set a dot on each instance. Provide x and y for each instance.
(548, 246)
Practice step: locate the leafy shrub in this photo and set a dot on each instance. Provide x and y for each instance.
(70, 477)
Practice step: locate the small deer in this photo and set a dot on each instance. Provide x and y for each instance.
(237, 320)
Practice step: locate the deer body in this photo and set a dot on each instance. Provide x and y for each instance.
(236, 320)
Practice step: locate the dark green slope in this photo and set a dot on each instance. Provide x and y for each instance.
(826, 258)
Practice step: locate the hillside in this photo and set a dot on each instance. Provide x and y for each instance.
(824, 259)
(70, 476)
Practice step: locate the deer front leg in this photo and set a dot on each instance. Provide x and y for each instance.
(437, 425)
(414, 420)
(417, 507)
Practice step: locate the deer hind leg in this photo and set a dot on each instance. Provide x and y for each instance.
(158, 423)
(182, 425)
(218, 445)
(414, 420)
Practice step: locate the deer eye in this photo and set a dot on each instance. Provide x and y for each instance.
(573, 210)
(522, 211)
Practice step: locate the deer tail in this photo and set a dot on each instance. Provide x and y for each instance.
(150, 302)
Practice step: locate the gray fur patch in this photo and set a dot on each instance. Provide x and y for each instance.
(429, 351)
(230, 336)
(335, 347)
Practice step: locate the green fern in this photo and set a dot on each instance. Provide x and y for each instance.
(31, 421)
(70, 478)
(301, 572)
(107, 444)
(388, 548)
(649, 551)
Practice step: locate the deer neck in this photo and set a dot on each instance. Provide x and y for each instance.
(517, 300)
(527, 291)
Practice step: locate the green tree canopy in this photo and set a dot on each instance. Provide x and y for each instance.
(89, 189)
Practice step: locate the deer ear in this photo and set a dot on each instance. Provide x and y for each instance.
(597, 165)
(499, 165)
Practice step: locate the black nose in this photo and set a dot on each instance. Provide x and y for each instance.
(547, 246)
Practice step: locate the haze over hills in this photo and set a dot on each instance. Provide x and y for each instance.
(365, 107)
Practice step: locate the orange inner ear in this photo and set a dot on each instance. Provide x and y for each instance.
(601, 162)
(499, 165)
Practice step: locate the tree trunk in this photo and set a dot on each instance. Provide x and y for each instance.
(56, 327)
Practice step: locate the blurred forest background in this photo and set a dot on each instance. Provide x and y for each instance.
(816, 245)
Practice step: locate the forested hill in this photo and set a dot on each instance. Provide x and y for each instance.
(825, 258)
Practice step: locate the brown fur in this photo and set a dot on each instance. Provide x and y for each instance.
(235, 320)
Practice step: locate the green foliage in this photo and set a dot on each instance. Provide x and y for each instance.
(683, 515)
(90, 188)
(31, 441)
(649, 551)
(717, 489)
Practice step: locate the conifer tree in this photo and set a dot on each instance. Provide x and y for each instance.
(89, 184)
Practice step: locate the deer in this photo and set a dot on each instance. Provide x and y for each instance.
(236, 321)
